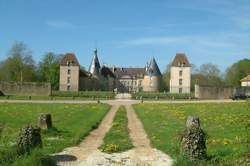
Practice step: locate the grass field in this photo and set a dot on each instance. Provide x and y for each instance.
(72, 122)
(227, 126)
(117, 139)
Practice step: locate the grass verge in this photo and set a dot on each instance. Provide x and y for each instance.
(227, 126)
(117, 139)
(71, 123)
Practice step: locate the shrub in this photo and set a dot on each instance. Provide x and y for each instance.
(162, 95)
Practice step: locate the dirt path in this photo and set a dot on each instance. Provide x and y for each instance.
(74, 155)
(141, 155)
(87, 153)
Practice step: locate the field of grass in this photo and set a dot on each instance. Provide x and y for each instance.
(226, 124)
(117, 139)
(71, 123)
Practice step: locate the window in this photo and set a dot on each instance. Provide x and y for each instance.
(180, 73)
(180, 82)
(180, 90)
(69, 63)
(140, 81)
(68, 87)
(69, 71)
(68, 80)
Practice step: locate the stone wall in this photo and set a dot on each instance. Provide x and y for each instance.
(151, 84)
(211, 92)
(25, 88)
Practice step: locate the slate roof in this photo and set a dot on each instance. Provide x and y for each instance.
(95, 66)
(105, 71)
(245, 79)
(121, 72)
(180, 60)
(69, 57)
(152, 68)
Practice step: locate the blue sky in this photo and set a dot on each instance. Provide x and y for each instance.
(130, 32)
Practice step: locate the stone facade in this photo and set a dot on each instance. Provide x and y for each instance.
(147, 79)
(98, 77)
(69, 78)
(180, 75)
(210, 92)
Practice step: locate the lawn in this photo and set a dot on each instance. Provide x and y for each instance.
(117, 139)
(72, 122)
(226, 124)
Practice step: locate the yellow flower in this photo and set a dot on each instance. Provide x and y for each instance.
(226, 141)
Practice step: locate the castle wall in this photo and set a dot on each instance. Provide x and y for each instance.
(25, 88)
(73, 76)
(175, 79)
(213, 92)
(151, 84)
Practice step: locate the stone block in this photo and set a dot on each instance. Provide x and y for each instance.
(28, 139)
(44, 121)
(193, 142)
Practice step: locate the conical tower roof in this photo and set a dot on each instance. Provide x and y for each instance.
(152, 68)
(95, 66)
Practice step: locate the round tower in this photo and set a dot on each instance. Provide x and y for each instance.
(152, 77)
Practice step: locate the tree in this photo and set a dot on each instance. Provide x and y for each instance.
(49, 69)
(208, 74)
(237, 71)
(19, 66)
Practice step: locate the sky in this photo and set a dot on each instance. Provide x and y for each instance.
(129, 33)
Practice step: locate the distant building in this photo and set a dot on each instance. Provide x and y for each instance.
(152, 77)
(245, 81)
(69, 73)
(180, 74)
(73, 78)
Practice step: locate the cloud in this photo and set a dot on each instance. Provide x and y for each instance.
(60, 24)
(180, 40)
(212, 44)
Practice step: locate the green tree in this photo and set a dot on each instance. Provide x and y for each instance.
(237, 71)
(19, 66)
(166, 78)
(49, 69)
(208, 74)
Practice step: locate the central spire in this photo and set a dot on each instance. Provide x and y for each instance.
(95, 66)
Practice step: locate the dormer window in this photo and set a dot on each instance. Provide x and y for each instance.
(179, 64)
(69, 63)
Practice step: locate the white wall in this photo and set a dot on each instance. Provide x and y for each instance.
(245, 83)
(175, 77)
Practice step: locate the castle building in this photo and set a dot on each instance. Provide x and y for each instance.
(73, 78)
(69, 73)
(180, 74)
(152, 77)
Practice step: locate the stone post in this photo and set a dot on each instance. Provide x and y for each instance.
(141, 98)
(44, 121)
(193, 142)
(28, 139)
